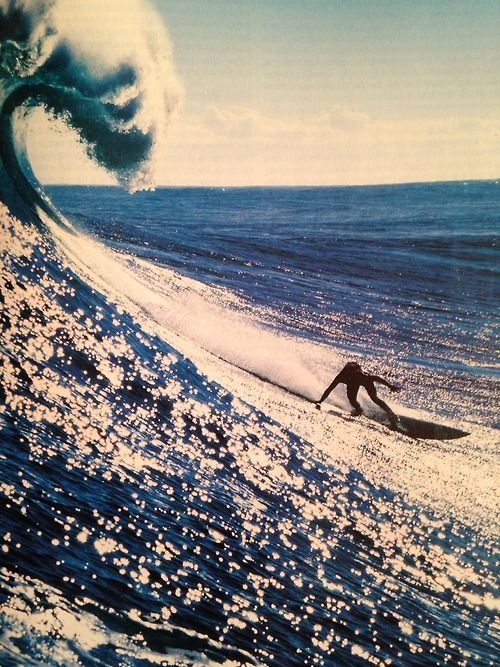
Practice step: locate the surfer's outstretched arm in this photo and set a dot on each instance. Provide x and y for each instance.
(328, 390)
(380, 380)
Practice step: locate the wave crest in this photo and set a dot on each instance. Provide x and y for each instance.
(115, 87)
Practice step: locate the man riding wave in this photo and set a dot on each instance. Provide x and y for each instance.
(354, 378)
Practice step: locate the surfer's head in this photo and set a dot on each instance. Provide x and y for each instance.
(353, 366)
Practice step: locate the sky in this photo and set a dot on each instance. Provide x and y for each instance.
(321, 92)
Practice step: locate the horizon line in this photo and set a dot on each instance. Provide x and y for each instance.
(464, 181)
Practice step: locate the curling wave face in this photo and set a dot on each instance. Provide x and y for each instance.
(115, 87)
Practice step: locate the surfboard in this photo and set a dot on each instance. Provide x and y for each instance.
(419, 429)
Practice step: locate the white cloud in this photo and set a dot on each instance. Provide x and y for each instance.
(343, 119)
(238, 145)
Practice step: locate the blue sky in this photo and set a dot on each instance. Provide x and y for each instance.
(331, 92)
(389, 59)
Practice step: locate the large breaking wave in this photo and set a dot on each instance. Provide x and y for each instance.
(105, 70)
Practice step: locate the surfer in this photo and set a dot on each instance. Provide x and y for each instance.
(354, 378)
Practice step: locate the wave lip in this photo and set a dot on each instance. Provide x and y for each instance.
(117, 91)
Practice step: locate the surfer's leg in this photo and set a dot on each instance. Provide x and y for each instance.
(352, 393)
(372, 393)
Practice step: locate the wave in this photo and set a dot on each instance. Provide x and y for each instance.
(150, 512)
(167, 516)
(117, 91)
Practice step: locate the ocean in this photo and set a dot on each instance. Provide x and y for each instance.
(408, 272)
(169, 494)
(168, 498)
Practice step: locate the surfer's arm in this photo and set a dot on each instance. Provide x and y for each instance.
(380, 380)
(329, 389)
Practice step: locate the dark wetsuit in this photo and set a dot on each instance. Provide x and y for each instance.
(354, 378)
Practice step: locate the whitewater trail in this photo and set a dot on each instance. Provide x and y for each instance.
(446, 475)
